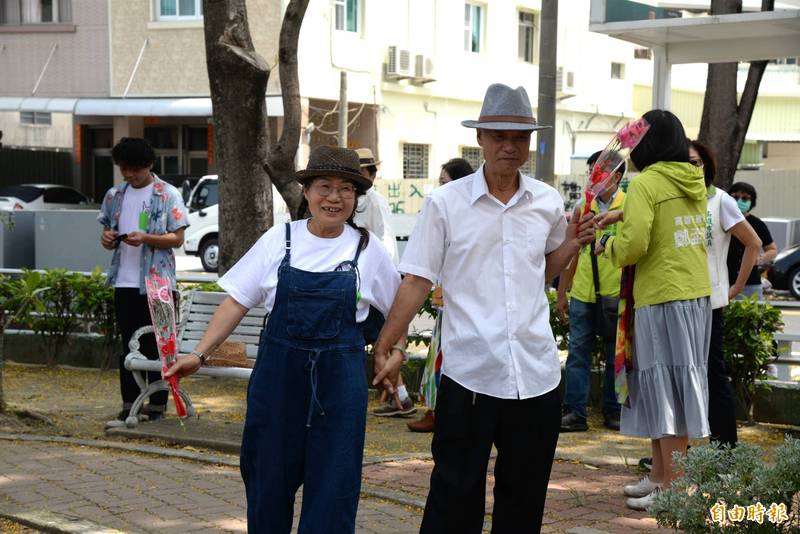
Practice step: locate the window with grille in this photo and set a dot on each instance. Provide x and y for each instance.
(14, 12)
(179, 9)
(346, 15)
(35, 117)
(528, 37)
(415, 160)
(473, 23)
(473, 154)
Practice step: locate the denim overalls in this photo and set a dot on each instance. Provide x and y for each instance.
(306, 405)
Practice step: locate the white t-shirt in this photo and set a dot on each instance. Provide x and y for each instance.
(134, 203)
(729, 213)
(254, 278)
(723, 214)
(372, 213)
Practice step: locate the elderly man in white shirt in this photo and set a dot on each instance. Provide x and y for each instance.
(492, 240)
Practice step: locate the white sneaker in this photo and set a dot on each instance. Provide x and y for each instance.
(643, 503)
(643, 488)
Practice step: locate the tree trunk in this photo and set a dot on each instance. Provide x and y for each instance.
(2, 359)
(279, 164)
(725, 121)
(238, 78)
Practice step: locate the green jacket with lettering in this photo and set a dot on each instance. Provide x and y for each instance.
(663, 234)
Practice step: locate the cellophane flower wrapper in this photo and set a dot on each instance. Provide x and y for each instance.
(162, 313)
(611, 159)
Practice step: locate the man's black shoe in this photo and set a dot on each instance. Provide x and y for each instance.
(573, 423)
(611, 421)
(646, 463)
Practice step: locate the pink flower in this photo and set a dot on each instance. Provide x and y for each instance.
(176, 214)
(158, 186)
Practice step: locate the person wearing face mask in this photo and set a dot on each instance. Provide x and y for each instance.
(745, 196)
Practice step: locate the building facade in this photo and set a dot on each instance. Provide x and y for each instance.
(79, 75)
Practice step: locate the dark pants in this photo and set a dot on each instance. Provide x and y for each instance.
(525, 433)
(721, 401)
(133, 313)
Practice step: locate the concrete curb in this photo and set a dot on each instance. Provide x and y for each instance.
(397, 497)
(55, 523)
(144, 449)
(234, 461)
(58, 524)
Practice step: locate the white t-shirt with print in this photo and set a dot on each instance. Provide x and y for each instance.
(254, 279)
(134, 203)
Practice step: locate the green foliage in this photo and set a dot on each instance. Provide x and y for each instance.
(735, 477)
(748, 345)
(561, 333)
(424, 337)
(59, 315)
(95, 302)
(54, 303)
(212, 287)
(560, 328)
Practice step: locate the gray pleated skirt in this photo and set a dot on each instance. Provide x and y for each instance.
(669, 382)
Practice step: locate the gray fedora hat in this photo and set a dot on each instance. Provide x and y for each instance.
(505, 108)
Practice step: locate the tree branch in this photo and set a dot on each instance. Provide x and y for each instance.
(289, 78)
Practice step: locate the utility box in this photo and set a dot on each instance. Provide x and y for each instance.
(785, 232)
(17, 240)
(69, 239)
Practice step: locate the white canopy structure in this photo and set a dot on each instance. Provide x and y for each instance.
(703, 39)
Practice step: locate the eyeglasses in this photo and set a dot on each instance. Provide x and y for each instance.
(737, 196)
(346, 191)
(697, 162)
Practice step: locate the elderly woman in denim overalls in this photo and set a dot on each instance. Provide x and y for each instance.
(307, 398)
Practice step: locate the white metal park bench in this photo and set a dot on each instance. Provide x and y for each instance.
(199, 309)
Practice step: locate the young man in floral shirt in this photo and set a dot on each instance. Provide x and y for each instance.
(143, 219)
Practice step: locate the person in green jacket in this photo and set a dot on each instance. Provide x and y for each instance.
(663, 234)
(579, 280)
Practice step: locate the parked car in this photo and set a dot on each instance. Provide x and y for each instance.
(202, 235)
(41, 196)
(785, 271)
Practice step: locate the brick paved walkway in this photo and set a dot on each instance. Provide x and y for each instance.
(113, 489)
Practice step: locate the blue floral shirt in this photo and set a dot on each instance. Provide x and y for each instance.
(167, 214)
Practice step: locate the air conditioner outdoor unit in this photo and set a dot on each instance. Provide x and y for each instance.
(423, 69)
(565, 81)
(398, 65)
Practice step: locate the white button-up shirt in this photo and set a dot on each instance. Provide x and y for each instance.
(490, 259)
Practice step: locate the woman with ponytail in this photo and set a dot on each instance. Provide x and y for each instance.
(318, 279)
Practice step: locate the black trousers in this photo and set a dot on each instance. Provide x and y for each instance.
(525, 433)
(721, 400)
(133, 313)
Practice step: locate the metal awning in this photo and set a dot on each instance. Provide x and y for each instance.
(703, 39)
(714, 39)
(126, 107)
(58, 105)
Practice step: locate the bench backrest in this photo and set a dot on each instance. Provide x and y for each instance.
(199, 309)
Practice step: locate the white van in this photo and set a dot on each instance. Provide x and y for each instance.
(202, 236)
